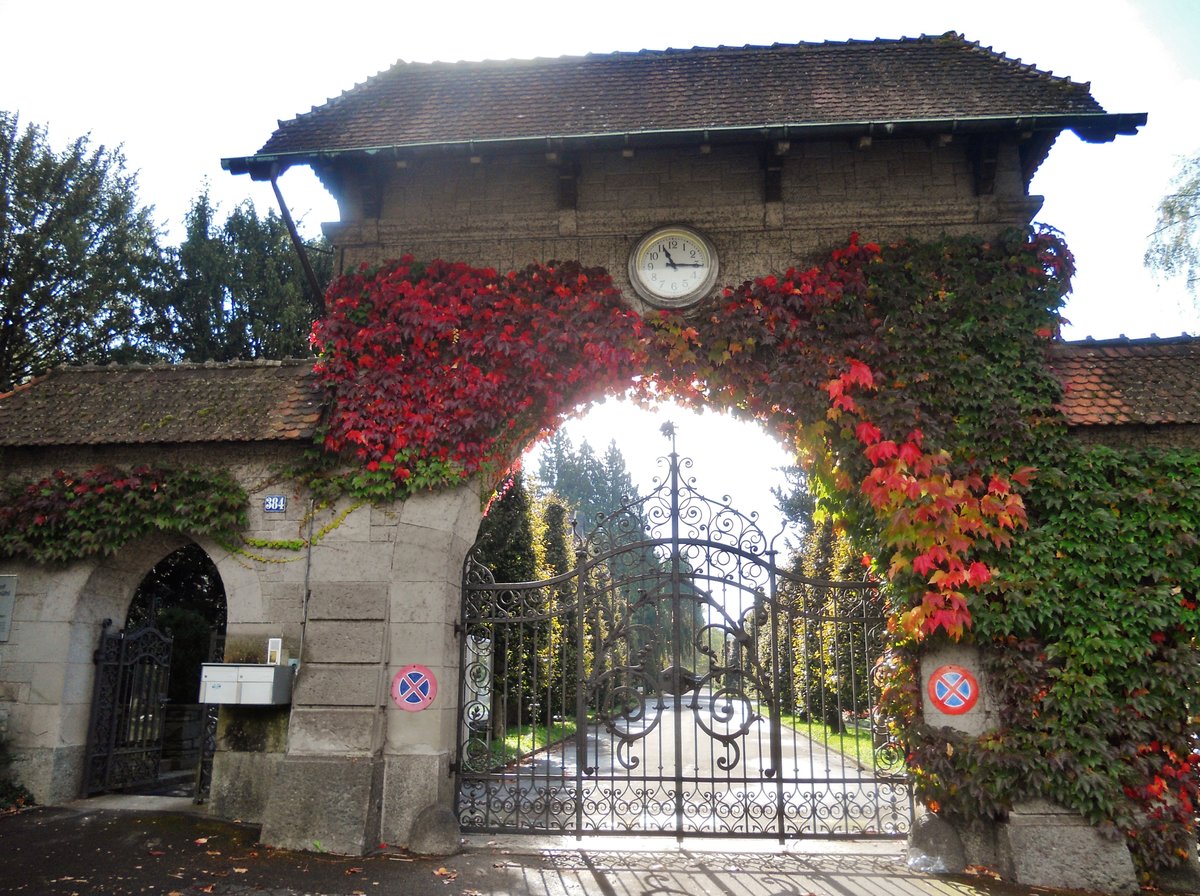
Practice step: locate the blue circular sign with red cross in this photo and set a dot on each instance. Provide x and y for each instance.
(413, 688)
(953, 689)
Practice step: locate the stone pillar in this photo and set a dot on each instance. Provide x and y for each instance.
(47, 675)
(1040, 843)
(264, 600)
(325, 795)
(384, 593)
(432, 541)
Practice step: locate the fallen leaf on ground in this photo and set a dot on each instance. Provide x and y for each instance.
(982, 871)
(446, 874)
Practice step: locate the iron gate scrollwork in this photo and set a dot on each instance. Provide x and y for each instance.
(125, 735)
(665, 685)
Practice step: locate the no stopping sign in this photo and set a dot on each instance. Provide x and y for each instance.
(413, 688)
(953, 690)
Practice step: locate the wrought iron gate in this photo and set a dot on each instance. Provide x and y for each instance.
(211, 717)
(675, 682)
(126, 731)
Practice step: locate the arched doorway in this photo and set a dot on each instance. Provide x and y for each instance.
(148, 733)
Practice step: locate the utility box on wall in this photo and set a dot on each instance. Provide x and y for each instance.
(246, 684)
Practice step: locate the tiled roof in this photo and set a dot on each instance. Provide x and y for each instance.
(1130, 381)
(1114, 382)
(946, 79)
(235, 402)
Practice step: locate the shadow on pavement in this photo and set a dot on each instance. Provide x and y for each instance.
(81, 849)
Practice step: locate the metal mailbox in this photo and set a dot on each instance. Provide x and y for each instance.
(246, 684)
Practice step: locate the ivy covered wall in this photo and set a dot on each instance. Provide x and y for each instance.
(912, 378)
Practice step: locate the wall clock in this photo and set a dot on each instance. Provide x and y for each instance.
(673, 266)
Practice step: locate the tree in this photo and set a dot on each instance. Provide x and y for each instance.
(506, 546)
(237, 289)
(592, 486)
(797, 503)
(1175, 243)
(78, 253)
(833, 650)
(555, 456)
(558, 558)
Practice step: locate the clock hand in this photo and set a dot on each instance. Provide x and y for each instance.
(670, 261)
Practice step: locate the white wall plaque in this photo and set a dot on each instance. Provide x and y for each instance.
(8, 599)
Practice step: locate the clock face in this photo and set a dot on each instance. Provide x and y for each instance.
(673, 267)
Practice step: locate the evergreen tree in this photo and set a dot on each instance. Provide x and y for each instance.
(78, 255)
(559, 558)
(615, 486)
(505, 540)
(796, 502)
(237, 289)
(198, 313)
(582, 486)
(506, 546)
(557, 553)
(591, 486)
(833, 651)
(554, 458)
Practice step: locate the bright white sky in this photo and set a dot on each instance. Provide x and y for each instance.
(181, 85)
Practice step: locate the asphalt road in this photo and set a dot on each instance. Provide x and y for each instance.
(115, 847)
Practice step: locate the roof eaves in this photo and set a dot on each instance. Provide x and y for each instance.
(1092, 127)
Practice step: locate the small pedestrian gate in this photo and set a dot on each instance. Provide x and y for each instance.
(676, 681)
(125, 736)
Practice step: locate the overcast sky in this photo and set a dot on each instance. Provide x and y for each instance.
(181, 85)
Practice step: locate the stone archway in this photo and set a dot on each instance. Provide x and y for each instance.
(146, 730)
(183, 597)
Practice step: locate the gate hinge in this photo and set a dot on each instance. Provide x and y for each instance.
(453, 767)
(458, 628)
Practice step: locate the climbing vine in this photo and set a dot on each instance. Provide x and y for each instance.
(66, 516)
(837, 358)
(1094, 619)
(911, 377)
(443, 371)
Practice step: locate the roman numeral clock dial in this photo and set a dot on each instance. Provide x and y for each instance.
(673, 267)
